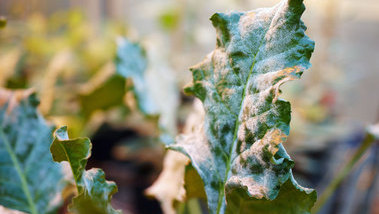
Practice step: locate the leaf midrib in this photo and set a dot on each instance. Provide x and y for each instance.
(237, 123)
(69, 161)
(24, 183)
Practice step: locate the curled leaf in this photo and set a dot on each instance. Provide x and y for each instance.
(239, 154)
(94, 192)
(169, 186)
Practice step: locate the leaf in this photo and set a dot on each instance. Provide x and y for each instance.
(169, 19)
(239, 153)
(169, 187)
(29, 179)
(56, 67)
(4, 210)
(162, 83)
(131, 63)
(3, 22)
(194, 186)
(94, 192)
(102, 92)
(154, 82)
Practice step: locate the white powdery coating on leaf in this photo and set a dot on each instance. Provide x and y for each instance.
(239, 85)
(257, 186)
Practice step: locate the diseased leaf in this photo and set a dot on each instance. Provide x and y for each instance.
(159, 92)
(169, 187)
(29, 179)
(154, 83)
(131, 63)
(162, 83)
(239, 153)
(94, 192)
(4, 210)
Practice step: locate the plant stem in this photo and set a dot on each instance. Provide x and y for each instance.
(365, 145)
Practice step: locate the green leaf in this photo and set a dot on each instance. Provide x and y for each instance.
(3, 22)
(131, 63)
(239, 153)
(104, 97)
(94, 192)
(154, 83)
(170, 18)
(29, 179)
(292, 198)
(193, 184)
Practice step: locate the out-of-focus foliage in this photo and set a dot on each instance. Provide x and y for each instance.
(131, 63)
(29, 178)
(68, 58)
(58, 57)
(169, 19)
(3, 22)
(94, 192)
(169, 187)
(372, 135)
(71, 65)
(154, 84)
(239, 153)
(105, 91)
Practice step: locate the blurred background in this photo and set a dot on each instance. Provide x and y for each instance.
(66, 50)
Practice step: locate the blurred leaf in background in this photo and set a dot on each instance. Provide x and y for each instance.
(154, 84)
(57, 55)
(3, 22)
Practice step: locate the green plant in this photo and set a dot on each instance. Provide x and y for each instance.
(3, 22)
(25, 160)
(94, 192)
(231, 150)
(66, 60)
(153, 86)
(238, 151)
(25, 139)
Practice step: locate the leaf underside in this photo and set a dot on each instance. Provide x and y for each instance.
(239, 153)
(94, 192)
(29, 179)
